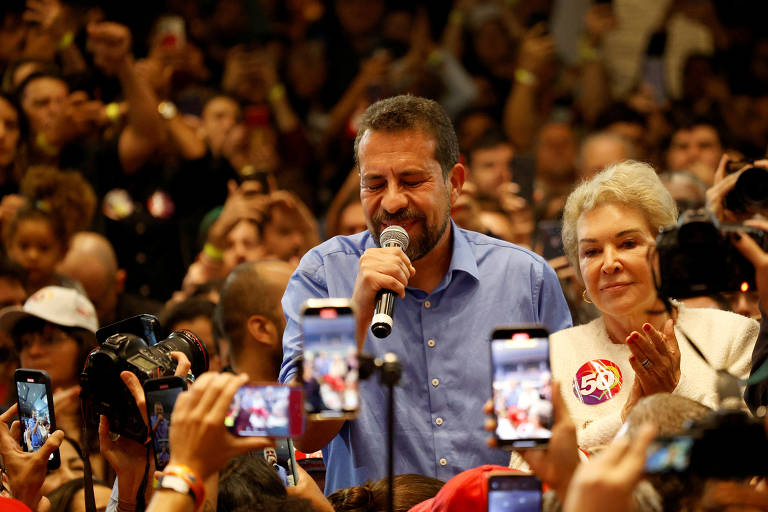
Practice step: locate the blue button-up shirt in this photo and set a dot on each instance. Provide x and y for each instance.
(442, 341)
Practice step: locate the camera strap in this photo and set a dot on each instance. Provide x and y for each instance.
(90, 501)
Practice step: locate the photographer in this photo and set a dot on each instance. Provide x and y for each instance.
(756, 394)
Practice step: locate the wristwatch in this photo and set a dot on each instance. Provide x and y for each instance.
(167, 110)
(175, 483)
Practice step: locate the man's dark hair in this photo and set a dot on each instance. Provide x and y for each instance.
(490, 138)
(618, 112)
(246, 292)
(189, 309)
(406, 112)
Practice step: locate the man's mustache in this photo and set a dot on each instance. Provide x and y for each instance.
(399, 216)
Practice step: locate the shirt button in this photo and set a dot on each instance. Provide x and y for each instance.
(443, 462)
(438, 421)
(427, 304)
(430, 343)
(435, 382)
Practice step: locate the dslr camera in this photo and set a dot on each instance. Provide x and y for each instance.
(123, 347)
(696, 257)
(726, 444)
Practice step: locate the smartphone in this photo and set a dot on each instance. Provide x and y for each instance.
(171, 32)
(521, 383)
(161, 396)
(669, 454)
(513, 492)
(35, 399)
(268, 410)
(549, 238)
(330, 363)
(282, 458)
(146, 326)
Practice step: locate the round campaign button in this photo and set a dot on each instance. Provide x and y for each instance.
(597, 381)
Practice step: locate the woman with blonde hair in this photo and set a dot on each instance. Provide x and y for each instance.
(638, 346)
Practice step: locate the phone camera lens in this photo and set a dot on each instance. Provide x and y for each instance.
(495, 485)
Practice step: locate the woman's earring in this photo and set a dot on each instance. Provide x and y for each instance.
(585, 297)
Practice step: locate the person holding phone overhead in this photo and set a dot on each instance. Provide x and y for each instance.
(636, 347)
(455, 286)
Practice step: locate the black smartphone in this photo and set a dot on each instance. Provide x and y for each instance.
(161, 396)
(513, 492)
(549, 240)
(266, 410)
(521, 383)
(282, 458)
(330, 365)
(35, 399)
(146, 326)
(669, 454)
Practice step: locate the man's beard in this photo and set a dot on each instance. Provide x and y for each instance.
(419, 246)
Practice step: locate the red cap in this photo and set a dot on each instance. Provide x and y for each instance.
(466, 491)
(12, 505)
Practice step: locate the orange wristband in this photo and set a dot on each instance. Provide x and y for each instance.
(190, 478)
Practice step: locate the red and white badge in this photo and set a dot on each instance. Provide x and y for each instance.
(597, 381)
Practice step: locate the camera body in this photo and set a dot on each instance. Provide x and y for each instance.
(104, 392)
(696, 257)
(716, 447)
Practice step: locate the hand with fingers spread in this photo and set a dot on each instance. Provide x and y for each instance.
(655, 358)
(381, 268)
(26, 471)
(606, 482)
(198, 436)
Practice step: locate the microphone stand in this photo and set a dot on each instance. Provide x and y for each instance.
(390, 371)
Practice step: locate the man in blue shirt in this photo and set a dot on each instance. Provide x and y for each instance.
(455, 286)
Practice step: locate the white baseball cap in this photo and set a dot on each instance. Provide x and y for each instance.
(55, 304)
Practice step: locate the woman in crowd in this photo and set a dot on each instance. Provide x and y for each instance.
(638, 346)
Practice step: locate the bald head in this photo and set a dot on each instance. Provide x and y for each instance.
(91, 260)
(252, 288)
(602, 149)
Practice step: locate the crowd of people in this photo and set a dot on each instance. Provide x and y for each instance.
(219, 163)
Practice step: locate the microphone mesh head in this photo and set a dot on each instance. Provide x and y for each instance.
(394, 234)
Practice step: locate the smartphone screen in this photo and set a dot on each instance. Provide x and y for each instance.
(669, 454)
(330, 366)
(522, 386)
(518, 493)
(35, 399)
(269, 411)
(161, 396)
(282, 458)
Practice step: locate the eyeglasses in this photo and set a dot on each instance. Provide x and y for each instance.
(48, 337)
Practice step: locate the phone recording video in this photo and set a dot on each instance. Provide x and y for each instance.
(669, 454)
(161, 396)
(270, 410)
(330, 367)
(513, 492)
(35, 399)
(522, 386)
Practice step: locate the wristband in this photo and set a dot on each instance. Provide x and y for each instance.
(525, 77)
(112, 111)
(181, 478)
(66, 40)
(277, 92)
(212, 251)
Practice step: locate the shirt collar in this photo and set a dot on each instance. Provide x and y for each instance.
(463, 258)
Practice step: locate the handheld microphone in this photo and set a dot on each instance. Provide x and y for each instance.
(381, 325)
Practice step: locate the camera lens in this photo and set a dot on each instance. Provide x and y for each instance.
(750, 192)
(191, 346)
